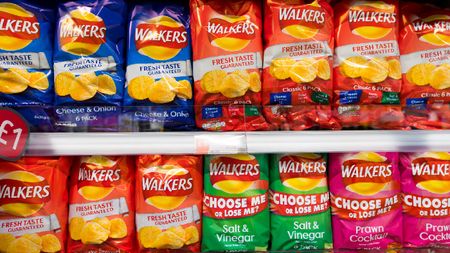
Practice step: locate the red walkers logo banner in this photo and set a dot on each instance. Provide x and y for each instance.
(305, 15)
(163, 32)
(179, 182)
(238, 28)
(372, 14)
(293, 166)
(229, 168)
(94, 174)
(427, 168)
(84, 28)
(20, 186)
(357, 171)
(24, 27)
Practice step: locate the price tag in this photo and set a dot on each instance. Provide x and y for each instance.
(14, 134)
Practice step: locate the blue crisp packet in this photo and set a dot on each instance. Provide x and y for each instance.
(89, 58)
(159, 70)
(26, 47)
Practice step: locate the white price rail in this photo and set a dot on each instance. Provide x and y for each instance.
(234, 142)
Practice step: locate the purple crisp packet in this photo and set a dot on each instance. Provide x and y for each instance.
(426, 199)
(366, 200)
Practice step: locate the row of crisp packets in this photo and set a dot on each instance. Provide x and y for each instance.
(247, 202)
(230, 65)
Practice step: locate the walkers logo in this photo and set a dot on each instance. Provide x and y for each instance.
(166, 187)
(18, 27)
(302, 172)
(302, 22)
(96, 177)
(81, 32)
(22, 193)
(433, 29)
(234, 173)
(231, 33)
(431, 172)
(366, 173)
(160, 38)
(372, 20)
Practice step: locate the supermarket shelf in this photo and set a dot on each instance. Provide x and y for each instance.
(235, 142)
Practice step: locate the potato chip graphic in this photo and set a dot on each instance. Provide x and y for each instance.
(5, 240)
(76, 224)
(279, 68)
(38, 80)
(84, 87)
(212, 81)
(243, 74)
(23, 245)
(104, 222)
(106, 85)
(63, 83)
(147, 236)
(192, 235)
(437, 155)
(440, 77)
(420, 74)
(50, 243)
(255, 82)
(437, 39)
(323, 69)
(139, 87)
(179, 231)
(168, 202)
(161, 53)
(94, 193)
(21, 209)
(376, 70)
(234, 85)
(72, 45)
(231, 43)
(353, 66)
(367, 188)
(168, 240)
(395, 70)
(300, 31)
(435, 186)
(183, 89)
(93, 233)
(118, 228)
(11, 82)
(161, 91)
(100, 160)
(12, 43)
(372, 32)
(34, 238)
(303, 71)
(302, 184)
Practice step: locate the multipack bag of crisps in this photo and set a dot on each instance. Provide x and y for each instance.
(235, 203)
(33, 204)
(426, 195)
(227, 52)
(424, 47)
(88, 60)
(367, 58)
(298, 55)
(366, 201)
(101, 205)
(26, 60)
(168, 203)
(159, 68)
(300, 216)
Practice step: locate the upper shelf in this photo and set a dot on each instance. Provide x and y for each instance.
(234, 142)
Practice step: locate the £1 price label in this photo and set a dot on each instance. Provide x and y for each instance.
(14, 134)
